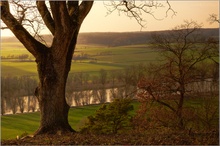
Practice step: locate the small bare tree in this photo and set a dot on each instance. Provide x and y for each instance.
(181, 50)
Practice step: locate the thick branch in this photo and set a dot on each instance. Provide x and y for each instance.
(84, 9)
(77, 14)
(72, 7)
(45, 14)
(19, 31)
(61, 16)
(148, 89)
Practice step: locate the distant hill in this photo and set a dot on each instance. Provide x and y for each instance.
(118, 38)
(128, 38)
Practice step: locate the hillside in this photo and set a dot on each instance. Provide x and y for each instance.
(112, 39)
(128, 38)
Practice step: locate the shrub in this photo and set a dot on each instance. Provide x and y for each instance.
(110, 119)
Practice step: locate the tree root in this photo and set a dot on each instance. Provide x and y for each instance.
(54, 131)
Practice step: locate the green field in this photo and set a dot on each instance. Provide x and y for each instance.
(117, 58)
(13, 125)
(29, 68)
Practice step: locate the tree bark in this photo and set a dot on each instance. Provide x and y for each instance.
(179, 111)
(54, 109)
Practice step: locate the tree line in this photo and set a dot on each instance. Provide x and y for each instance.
(17, 93)
(21, 57)
(127, 38)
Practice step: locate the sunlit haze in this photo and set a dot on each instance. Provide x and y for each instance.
(98, 20)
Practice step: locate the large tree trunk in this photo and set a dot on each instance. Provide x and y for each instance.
(53, 106)
(53, 73)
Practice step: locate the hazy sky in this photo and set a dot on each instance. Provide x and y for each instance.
(98, 20)
(199, 11)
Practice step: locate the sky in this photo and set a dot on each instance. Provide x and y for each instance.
(199, 11)
(98, 20)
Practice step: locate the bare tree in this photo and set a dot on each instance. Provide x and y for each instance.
(33, 103)
(135, 9)
(3, 105)
(99, 95)
(181, 50)
(21, 103)
(4, 94)
(25, 13)
(213, 18)
(113, 83)
(29, 84)
(98, 89)
(13, 103)
(13, 93)
(76, 97)
(63, 19)
(129, 78)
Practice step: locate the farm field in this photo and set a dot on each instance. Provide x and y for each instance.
(95, 58)
(30, 68)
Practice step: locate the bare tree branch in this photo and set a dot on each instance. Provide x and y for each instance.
(135, 9)
(84, 9)
(19, 31)
(45, 14)
(170, 9)
(213, 18)
(25, 13)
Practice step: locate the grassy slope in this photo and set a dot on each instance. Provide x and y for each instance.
(13, 125)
